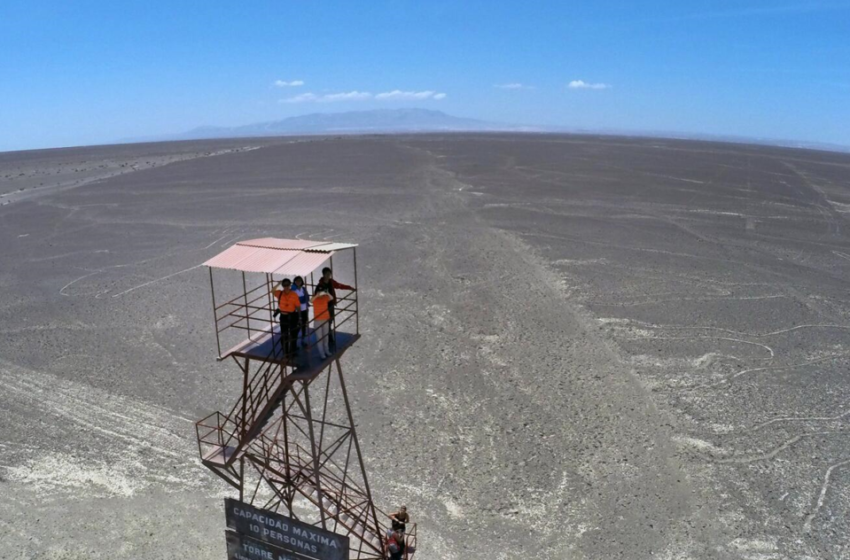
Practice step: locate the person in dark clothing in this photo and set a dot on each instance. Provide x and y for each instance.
(328, 284)
(396, 545)
(289, 310)
(301, 290)
(400, 519)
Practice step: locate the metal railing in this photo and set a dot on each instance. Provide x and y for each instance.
(253, 312)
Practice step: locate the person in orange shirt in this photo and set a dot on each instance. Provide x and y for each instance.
(321, 320)
(327, 282)
(289, 309)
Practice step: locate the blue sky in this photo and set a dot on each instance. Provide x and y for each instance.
(88, 72)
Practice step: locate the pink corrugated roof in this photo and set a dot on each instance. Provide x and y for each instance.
(281, 244)
(284, 257)
(230, 257)
(331, 247)
(303, 264)
(267, 260)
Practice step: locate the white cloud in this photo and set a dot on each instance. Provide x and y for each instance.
(328, 97)
(301, 98)
(363, 95)
(581, 84)
(398, 94)
(293, 83)
(346, 96)
(514, 85)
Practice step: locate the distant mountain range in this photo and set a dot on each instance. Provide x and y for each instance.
(426, 120)
(352, 122)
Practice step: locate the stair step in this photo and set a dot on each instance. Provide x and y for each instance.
(219, 455)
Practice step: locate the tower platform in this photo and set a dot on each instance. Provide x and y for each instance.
(265, 346)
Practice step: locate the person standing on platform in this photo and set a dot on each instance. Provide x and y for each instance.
(400, 519)
(322, 302)
(396, 545)
(301, 290)
(289, 309)
(330, 285)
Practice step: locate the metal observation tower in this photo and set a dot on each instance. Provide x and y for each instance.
(288, 443)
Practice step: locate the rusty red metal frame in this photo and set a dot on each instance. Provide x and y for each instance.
(297, 440)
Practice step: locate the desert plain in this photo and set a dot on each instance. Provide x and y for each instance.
(574, 347)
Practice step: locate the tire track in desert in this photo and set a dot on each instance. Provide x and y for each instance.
(86, 462)
(549, 437)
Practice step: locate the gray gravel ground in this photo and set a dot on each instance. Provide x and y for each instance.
(585, 347)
